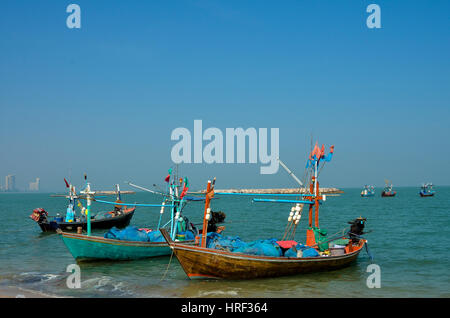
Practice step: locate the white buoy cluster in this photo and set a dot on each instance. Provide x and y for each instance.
(162, 208)
(295, 214)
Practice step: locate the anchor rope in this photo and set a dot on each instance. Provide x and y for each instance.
(167, 269)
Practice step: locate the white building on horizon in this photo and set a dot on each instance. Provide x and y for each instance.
(34, 186)
(10, 183)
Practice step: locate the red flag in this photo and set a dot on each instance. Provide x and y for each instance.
(167, 178)
(316, 152)
(67, 184)
(183, 193)
(185, 188)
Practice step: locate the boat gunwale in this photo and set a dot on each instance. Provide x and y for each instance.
(100, 239)
(115, 218)
(260, 258)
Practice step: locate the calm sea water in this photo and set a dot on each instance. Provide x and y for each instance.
(410, 241)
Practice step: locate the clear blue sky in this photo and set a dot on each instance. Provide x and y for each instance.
(104, 99)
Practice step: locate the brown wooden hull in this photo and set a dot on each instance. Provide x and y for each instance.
(198, 262)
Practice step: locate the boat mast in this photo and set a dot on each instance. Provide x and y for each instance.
(316, 196)
(207, 213)
(89, 198)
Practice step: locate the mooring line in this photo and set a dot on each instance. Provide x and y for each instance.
(167, 269)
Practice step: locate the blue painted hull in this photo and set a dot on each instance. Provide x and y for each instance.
(89, 248)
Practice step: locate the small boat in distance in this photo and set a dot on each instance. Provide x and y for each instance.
(120, 216)
(387, 191)
(368, 191)
(427, 190)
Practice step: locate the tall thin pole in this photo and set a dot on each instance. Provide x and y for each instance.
(172, 208)
(206, 213)
(161, 213)
(89, 202)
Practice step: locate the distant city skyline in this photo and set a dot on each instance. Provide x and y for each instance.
(103, 99)
(10, 185)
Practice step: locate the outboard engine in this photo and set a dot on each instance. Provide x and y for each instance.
(216, 218)
(39, 215)
(356, 229)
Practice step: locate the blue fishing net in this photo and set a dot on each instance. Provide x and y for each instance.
(155, 236)
(306, 251)
(261, 247)
(132, 233)
(227, 243)
(236, 245)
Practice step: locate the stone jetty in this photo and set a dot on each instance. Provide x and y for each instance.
(276, 191)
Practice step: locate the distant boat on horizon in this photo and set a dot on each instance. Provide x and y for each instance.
(368, 191)
(427, 190)
(387, 191)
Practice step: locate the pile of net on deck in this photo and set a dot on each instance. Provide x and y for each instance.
(132, 233)
(268, 247)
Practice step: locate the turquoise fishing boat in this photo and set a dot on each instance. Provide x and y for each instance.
(88, 248)
(133, 243)
(368, 191)
(427, 190)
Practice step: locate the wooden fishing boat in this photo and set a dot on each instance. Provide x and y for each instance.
(388, 190)
(119, 217)
(86, 247)
(200, 261)
(427, 190)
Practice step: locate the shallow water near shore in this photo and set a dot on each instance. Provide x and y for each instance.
(409, 241)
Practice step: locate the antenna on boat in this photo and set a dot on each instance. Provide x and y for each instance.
(144, 189)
